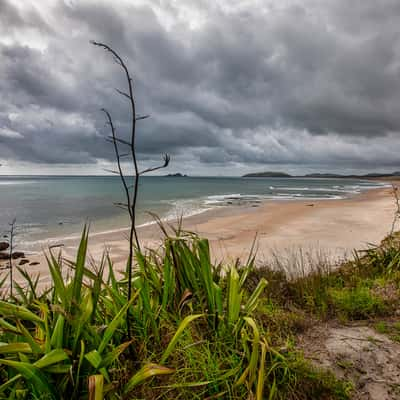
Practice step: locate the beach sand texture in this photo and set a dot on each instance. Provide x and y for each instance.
(328, 229)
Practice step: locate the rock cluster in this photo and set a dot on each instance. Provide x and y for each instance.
(15, 255)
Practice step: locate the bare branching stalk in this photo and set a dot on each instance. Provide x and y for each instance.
(131, 191)
(396, 215)
(11, 232)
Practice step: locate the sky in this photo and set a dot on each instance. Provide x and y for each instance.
(231, 87)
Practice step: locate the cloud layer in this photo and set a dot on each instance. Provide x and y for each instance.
(230, 88)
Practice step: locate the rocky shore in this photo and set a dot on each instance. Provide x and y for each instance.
(7, 256)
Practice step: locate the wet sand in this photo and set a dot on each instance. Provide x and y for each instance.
(331, 229)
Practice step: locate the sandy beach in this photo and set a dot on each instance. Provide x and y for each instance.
(328, 229)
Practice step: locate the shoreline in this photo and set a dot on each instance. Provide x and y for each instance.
(51, 240)
(325, 230)
(331, 227)
(112, 224)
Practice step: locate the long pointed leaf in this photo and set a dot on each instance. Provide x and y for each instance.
(33, 375)
(30, 339)
(172, 344)
(57, 337)
(11, 310)
(80, 266)
(54, 357)
(95, 385)
(114, 324)
(15, 348)
(144, 373)
(261, 373)
(253, 300)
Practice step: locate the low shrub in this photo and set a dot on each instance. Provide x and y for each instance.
(195, 332)
(356, 303)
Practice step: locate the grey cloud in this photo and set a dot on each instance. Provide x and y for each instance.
(12, 20)
(297, 85)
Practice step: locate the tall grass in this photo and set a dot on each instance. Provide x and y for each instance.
(199, 330)
(368, 285)
(194, 331)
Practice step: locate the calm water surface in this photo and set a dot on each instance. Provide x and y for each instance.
(47, 207)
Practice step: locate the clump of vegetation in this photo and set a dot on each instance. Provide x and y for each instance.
(390, 328)
(196, 333)
(198, 330)
(356, 303)
(366, 287)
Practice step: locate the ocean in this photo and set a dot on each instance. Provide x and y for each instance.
(47, 207)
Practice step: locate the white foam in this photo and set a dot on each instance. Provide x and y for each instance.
(12, 183)
(190, 207)
(174, 214)
(236, 197)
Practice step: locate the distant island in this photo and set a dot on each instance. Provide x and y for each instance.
(273, 174)
(268, 174)
(177, 175)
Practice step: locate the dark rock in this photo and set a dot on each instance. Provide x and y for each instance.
(4, 246)
(18, 254)
(34, 263)
(4, 256)
(23, 261)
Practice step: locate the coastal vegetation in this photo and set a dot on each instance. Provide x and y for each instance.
(275, 174)
(198, 330)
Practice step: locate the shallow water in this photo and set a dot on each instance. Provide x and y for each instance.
(55, 206)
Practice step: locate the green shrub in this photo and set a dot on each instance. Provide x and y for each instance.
(356, 303)
(381, 327)
(198, 330)
(281, 324)
(193, 330)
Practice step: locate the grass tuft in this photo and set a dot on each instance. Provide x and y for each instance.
(196, 332)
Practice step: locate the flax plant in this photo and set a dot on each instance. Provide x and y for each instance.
(69, 341)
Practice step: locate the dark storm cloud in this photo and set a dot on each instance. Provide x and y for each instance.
(307, 83)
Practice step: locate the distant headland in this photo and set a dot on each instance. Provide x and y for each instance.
(273, 174)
